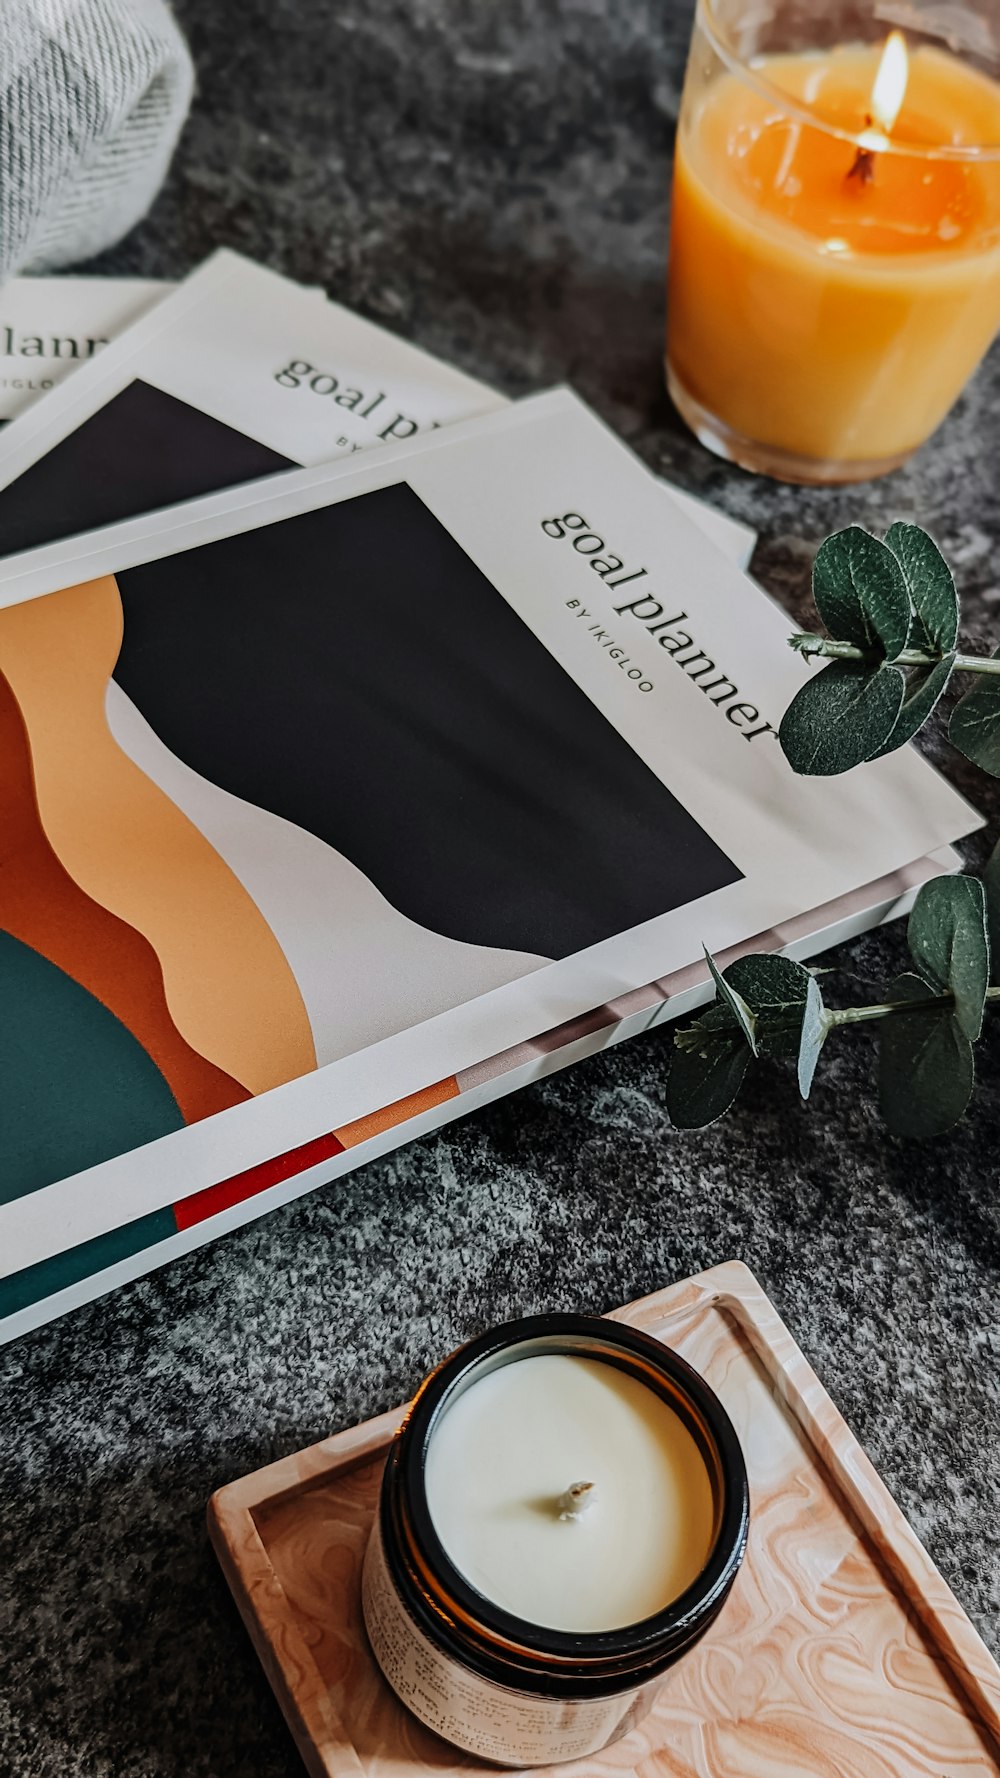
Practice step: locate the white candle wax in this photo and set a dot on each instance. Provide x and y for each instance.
(499, 1465)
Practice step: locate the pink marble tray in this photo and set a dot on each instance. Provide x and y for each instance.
(841, 1653)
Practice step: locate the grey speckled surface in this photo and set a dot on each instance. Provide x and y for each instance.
(491, 182)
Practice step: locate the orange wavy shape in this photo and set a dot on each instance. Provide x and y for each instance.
(41, 905)
(399, 1112)
(228, 985)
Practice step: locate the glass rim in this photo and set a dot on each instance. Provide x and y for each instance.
(966, 153)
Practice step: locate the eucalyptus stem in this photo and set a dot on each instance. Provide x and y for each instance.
(855, 1015)
(692, 1038)
(910, 657)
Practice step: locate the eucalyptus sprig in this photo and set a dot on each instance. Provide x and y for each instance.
(891, 613)
(927, 1023)
(892, 616)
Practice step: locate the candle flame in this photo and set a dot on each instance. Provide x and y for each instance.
(888, 93)
(889, 90)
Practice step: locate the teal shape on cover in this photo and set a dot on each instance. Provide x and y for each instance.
(36, 1282)
(75, 1085)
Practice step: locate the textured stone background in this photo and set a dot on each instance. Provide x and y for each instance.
(491, 181)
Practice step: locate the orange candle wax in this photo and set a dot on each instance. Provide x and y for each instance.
(826, 302)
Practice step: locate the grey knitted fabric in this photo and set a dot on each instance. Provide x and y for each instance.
(93, 94)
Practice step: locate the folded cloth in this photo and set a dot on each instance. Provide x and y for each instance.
(93, 94)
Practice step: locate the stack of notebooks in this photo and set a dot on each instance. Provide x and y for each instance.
(345, 789)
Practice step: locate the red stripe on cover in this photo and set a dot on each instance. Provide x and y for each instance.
(214, 1198)
(201, 1205)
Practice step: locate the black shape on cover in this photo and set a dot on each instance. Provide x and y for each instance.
(143, 450)
(352, 670)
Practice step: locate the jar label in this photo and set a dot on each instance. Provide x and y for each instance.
(492, 1721)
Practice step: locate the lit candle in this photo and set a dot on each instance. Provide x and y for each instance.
(501, 1472)
(563, 1514)
(835, 250)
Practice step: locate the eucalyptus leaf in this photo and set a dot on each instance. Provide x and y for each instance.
(948, 942)
(975, 723)
(841, 717)
(926, 1066)
(735, 1002)
(716, 1021)
(991, 884)
(931, 587)
(709, 1062)
(814, 1033)
(860, 592)
(777, 990)
(922, 694)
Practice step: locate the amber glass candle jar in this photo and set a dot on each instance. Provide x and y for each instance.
(485, 1506)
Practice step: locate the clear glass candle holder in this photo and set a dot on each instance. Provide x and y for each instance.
(834, 273)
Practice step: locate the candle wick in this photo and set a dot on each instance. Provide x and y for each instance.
(575, 1501)
(863, 166)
